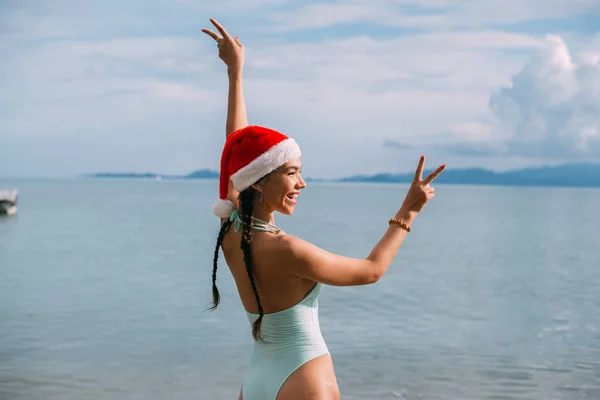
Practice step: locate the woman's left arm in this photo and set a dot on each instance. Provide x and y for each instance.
(231, 51)
(236, 106)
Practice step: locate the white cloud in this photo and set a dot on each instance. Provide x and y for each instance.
(439, 62)
(552, 106)
(430, 14)
(146, 80)
(404, 89)
(321, 15)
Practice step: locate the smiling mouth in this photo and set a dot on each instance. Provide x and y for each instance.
(292, 198)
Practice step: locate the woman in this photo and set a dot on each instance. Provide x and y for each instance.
(279, 276)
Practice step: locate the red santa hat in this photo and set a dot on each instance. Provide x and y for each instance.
(249, 154)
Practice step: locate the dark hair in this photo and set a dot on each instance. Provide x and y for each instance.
(215, 291)
(246, 199)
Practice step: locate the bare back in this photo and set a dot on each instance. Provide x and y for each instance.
(278, 288)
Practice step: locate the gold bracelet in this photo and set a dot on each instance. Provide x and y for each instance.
(402, 224)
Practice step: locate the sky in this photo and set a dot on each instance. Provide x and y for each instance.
(363, 87)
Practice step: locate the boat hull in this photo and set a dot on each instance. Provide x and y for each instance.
(10, 210)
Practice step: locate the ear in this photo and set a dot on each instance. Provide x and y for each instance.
(257, 187)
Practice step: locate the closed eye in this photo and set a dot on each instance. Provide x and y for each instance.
(293, 170)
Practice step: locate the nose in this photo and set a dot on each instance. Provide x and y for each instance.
(301, 182)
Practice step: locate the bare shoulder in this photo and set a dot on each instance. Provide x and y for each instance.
(292, 249)
(287, 245)
(307, 260)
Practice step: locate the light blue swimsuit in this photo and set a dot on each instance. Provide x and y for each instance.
(293, 337)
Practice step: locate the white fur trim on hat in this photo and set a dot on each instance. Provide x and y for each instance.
(270, 160)
(223, 208)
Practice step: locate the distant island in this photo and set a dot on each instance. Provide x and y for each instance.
(569, 175)
(200, 174)
(572, 175)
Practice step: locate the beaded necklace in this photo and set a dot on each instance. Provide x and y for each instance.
(257, 224)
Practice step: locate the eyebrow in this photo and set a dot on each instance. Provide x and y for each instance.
(293, 167)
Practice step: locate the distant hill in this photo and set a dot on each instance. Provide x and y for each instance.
(572, 175)
(202, 174)
(122, 175)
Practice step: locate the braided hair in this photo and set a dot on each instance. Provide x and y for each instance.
(246, 207)
(215, 291)
(246, 198)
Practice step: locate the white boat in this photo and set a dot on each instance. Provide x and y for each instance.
(8, 202)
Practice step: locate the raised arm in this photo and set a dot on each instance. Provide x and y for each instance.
(236, 106)
(231, 51)
(308, 261)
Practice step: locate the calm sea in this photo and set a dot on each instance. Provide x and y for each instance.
(494, 295)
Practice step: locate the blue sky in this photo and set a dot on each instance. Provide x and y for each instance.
(364, 87)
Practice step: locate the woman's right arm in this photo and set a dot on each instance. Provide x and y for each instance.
(308, 261)
(304, 259)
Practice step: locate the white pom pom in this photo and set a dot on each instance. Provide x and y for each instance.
(223, 208)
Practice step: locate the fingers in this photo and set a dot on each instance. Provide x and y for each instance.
(221, 29)
(211, 34)
(419, 171)
(237, 41)
(434, 174)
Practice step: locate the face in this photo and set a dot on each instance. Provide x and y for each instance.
(281, 188)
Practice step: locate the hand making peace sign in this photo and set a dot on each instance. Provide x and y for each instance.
(231, 51)
(420, 191)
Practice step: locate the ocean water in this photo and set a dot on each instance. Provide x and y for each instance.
(495, 294)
